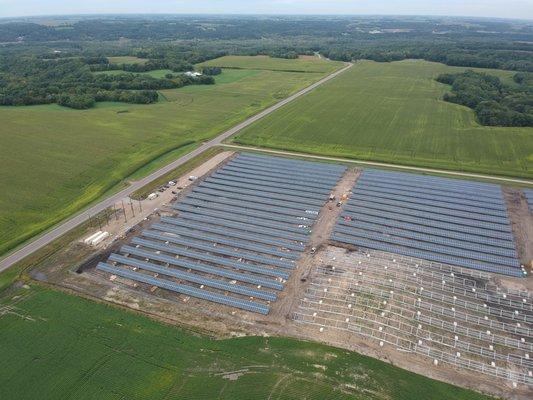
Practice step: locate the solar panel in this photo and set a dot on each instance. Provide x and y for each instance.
(433, 208)
(270, 174)
(274, 216)
(496, 202)
(245, 227)
(287, 227)
(304, 164)
(194, 244)
(348, 227)
(196, 255)
(249, 206)
(283, 169)
(224, 240)
(426, 255)
(269, 195)
(195, 278)
(455, 222)
(248, 222)
(293, 191)
(440, 201)
(433, 216)
(273, 178)
(187, 290)
(470, 237)
(256, 199)
(355, 212)
(432, 247)
(528, 193)
(283, 243)
(268, 184)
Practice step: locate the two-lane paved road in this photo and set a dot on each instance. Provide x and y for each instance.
(78, 219)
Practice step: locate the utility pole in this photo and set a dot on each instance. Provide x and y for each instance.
(115, 210)
(132, 210)
(124, 210)
(140, 206)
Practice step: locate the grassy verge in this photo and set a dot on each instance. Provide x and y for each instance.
(90, 350)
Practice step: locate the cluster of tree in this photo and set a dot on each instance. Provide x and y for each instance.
(494, 102)
(70, 82)
(211, 71)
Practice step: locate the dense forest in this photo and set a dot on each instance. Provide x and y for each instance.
(484, 43)
(494, 103)
(64, 59)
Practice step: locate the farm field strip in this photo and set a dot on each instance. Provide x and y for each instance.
(394, 113)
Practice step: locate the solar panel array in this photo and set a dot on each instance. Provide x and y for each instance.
(237, 235)
(444, 220)
(529, 197)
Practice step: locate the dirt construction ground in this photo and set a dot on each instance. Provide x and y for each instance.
(223, 321)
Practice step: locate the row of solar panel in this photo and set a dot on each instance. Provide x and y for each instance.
(428, 215)
(268, 172)
(363, 195)
(430, 256)
(445, 241)
(290, 171)
(294, 163)
(452, 191)
(529, 197)
(186, 289)
(198, 245)
(171, 223)
(455, 222)
(360, 210)
(228, 241)
(435, 201)
(425, 180)
(248, 222)
(262, 221)
(421, 244)
(491, 201)
(385, 223)
(245, 211)
(264, 278)
(434, 194)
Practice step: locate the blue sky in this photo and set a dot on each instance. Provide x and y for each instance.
(484, 8)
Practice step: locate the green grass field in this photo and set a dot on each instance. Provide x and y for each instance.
(308, 64)
(156, 73)
(57, 346)
(127, 60)
(56, 160)
(393, 112)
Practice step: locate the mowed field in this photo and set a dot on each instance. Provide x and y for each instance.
(394, 113)
(57, 346)
(57, 160)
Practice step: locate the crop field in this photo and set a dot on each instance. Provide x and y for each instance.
(88, 350)
(56, 160)
(393, 112)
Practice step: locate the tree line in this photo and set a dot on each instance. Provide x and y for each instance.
(495, 103)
